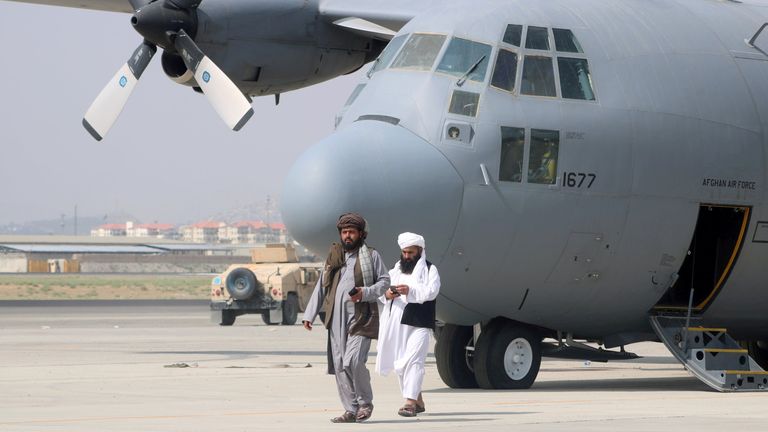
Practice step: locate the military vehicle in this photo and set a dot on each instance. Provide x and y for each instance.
(275, 285)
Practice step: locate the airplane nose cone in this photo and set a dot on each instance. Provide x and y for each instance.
(393, 178)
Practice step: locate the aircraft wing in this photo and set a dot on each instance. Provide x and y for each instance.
(104, 5)
(377, 18)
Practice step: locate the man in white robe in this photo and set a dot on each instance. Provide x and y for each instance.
(407, 319)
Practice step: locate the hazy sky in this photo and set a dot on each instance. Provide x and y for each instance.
(169, 157)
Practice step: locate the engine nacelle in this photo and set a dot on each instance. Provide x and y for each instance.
(274, 46)
(176, 70)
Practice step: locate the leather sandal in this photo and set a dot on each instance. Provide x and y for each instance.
(407, 411)
(347, 417)
(364, 412)
(420, 409)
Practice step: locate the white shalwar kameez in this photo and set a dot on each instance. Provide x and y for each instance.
(403, 348)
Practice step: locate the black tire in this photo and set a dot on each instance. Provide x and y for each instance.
(265, 318)
(227, 317)
(454, 361)
(507, 356)
(290, 309)
(241, 284)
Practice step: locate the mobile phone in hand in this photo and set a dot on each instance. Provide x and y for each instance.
(352, 292)
(393, 290)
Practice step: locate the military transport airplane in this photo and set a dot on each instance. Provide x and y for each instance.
(584, 170)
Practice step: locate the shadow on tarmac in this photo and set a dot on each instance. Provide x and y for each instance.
(683, 384)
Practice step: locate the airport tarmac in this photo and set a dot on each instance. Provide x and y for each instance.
(118, 366)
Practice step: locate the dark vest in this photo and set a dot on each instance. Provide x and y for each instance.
(420, 314)
(331, 276)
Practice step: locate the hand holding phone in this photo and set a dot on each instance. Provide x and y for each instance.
(393, 291)
(352, 292)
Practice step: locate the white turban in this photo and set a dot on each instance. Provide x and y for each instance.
(410, 239)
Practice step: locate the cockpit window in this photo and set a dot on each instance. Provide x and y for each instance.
(465, 57)
(565, 41)
(512, 149)
(355, 94)
(538, 38)
(420, 52)
(505, 71)
(513, 34)
(575, 80)
(386, 56)
(464, 103)
(542, 163)
(538, 76)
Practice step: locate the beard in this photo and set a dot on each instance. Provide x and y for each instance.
(353, 245)
(408, 264)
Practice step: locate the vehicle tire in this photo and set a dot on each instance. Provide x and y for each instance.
(454, 361)
(241, 284)
(227, 317)
(290, 309)
(267, 321)
(507, 356)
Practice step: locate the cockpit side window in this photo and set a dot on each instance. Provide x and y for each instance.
(465, 57)
(513, 34)
(542, 163)
(512, 151)
(420, 52)
(575, 79)
(386, 56)
(565, 41)
(538, 38)
(464, 103)
(538, 76)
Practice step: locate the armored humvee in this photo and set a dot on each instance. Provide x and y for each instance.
(275, 285)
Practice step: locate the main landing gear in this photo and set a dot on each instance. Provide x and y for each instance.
(507, 355)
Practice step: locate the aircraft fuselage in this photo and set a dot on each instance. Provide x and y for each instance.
(676, 124)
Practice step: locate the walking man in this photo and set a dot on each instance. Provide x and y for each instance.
(407, 319)
(353, 278)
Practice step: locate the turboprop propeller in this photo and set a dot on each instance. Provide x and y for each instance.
(171, 25)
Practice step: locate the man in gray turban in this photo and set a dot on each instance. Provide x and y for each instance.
(353, 278)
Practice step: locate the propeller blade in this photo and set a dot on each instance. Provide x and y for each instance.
(110, 102)
(231, 105)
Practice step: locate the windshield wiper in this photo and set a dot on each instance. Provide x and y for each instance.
(471, 69)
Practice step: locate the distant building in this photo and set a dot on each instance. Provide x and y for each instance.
(153, 230)
(243, 232)
(279, 233)
(109, 230)
(249, 232)
(202, 232)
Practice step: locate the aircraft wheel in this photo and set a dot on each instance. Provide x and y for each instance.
(290, 309)
(507, 356)
(454, 361)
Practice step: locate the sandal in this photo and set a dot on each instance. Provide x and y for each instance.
(420, 409)
(364, 412)
(407, 411)
(347, 417)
